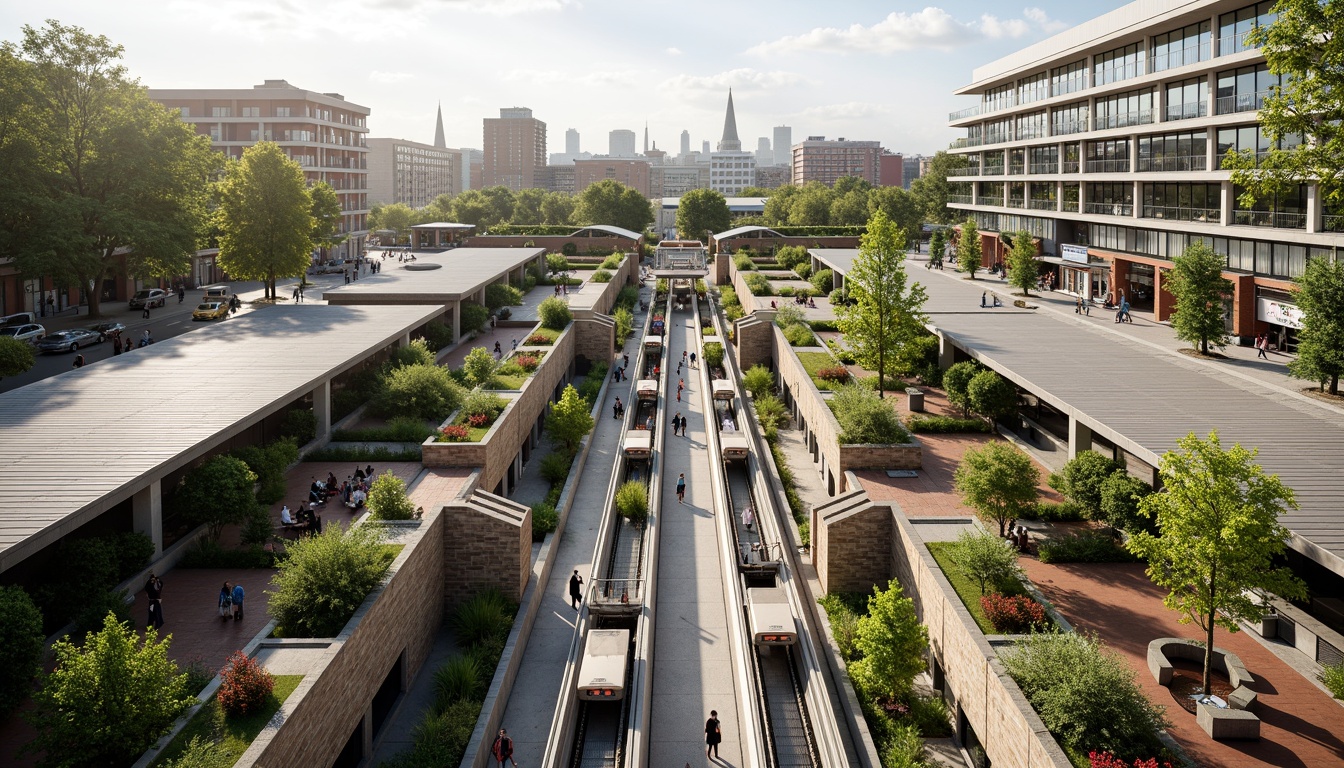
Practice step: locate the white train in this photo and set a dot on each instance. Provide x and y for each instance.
(602, 671)
(769, 616)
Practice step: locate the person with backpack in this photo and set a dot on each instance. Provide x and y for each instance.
(502, 749)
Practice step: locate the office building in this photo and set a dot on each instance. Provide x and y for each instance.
(773, 176)
(515, 147)
(556, 178)
(783, 146)
(730, 169)
(621, 143)
(818, 159)
(572, 142)
(685, 143)
(891, 169)
(764, 155)
(1105, 142)
(912, 167)
(473, 168)
(402, 171)
(677, 180)
(630, 172)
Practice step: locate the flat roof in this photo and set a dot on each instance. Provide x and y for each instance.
(838, 259)
(609, 229)
(79, 443)
(443, 225)
(744, 230)
(462, 272)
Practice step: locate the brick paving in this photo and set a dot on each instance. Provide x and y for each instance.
(1300, 725)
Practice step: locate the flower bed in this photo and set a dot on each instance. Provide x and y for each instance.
(1013, 615)
(967, 589)
(230, 735)
(542, 337)
(814, 363)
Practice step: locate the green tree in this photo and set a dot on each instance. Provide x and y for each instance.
(18, 148)
(107, 700)
(326, 211)
(849, 209)
(899, 206)
(811, 205)
(527, 206)
(569, 420)
(1196, 280)
(625, 324)
(16, 356)
(968, 248)
(864, 417)
(217, 493)
(758, 380)
(499, 204)
(108, 174)
(397, 218)
(848, 184)
(21, 645)
(700, 211)
(388, 499)
(479, 365)
(937, 245)
(323, 580)
(779, 205)
(1320, 344)
(632, 501)
(423, 391)
(933, 190)
(1023, 271)
(1122, 495)
(998, 482)
(992, 396)
(985, 559)
(558, 208)
(265, 217)
(557, 263)
(611, 202)
(957, 383)
(893, 643)
(471, 207)
(554, 313)
(1081, 479)
(1218, 517)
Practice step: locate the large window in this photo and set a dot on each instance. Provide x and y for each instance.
(1042, 196)
(1119, 64)
(989, 192)
(221, 111)
(1110, 199)
(1187, 99)
(1174, 152)
(1044, 160)
(1069, 78)
(1244, 89)
(1072, 155)
(997, 98)
(1070, 118)
(1250, 137)
(1286, 210)
(993, 164)
(1124, 110)
(1234, 27)
(1031, 126)
(1180, 47)
(1183, 202)
(998, 131)
(1258, 256)
(1012, 222)
(251, 111)
(1108, 156)
(1071, 198)
(1034, 88)
(1017, 161)
(1017, 195)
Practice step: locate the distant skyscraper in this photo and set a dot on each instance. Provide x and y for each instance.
(571, 142)
(704, 148)
(685, 143)
(730, 142)
(621, 143)
(783, 145)
(515, 147)
(764, 156)
(646, 138)
(439, 140)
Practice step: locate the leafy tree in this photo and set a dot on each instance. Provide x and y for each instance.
(499, 204)
(554, 314)
(632, 501)
(893, 643)
(18, 148)
(992, 396)
(471, 207)
(108, 700)
(625, 324)
(479, 365)
(887, 309)
(558, 208)
(791, 256)
(423, 391)
(1218, 515)
(846, 185)
(811, 205)
(985, 559)
(105, 173)
(265, 217)
(396, 217)
(1022, 264)
(899, 206)
(21, 646)
(1081, 479)
(611, 202)
(1122, 494)
(388, 499)
(474, 316)
(779, 205)
(998, 482)
(1320, 344)
(701, 211)
(937, 244)
(324, 578)
(326, 210)
(933, 190)
(16, 356)
(1196, 280)
(758, 380)
(849, 209)
(957, 383)
(864, 417)
(968, 248)
(217, 493)
(823, 281)
(557, 263)
(527, 206)
(569, 420)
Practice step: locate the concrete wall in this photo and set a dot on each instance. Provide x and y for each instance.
(754, 341)
(488, 546)
(749, 302)
(895, 456)
(595, 337)
(843, 533)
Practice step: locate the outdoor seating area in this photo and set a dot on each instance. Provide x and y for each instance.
(1233, 721)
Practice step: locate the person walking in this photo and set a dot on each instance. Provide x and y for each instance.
(676, 422)
(502, 749)
(748, 517)
(692, 359)
(154, 597)
(116, 344)
(984, 296)
(575, 589)
(625, 360)
(181, 293)
(79, 361)
(616, 409)
(683, 426)
(713, 735)
(237, 602)
(225, 601)
(681, 384)
(144, 312)
(681, 488)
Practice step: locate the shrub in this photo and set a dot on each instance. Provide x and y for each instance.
(400, 429)
(1088, 547)
(789, 314)
(324, 578)
(625, 324)
(419, 391)
(714, 354)
(758, 380)
(1332, 675)
(479, 365)
(1082, 477)
(1013, 615)
(528, 363)
(477, 420)
(992, 396)
(893, 643)
(269, 465)
(987, 560)
(483, 403)
(244, 685)
(904, 749)
(474, 317)
(555, 467)
(569, 420)
(544, 520)
(457, 679)
(216, 493)
(441, 738)
(1121, 494)
(864, 417)
(728, 296)
(803, 270)
(770, 414)
(501, 295)
(556, 262)
(627, 297)
(837, 374)
(823, 281)
(1108, 760)
(601, 276)
(202, 753)
(945, 424)
(415, 353)
(801, 336)
(209, 554)
(539, 340)
(437, 335)
(613, 261)
(388, 499)
(21, 646)
(791, 256)
(554, 314)
(299, 424)
(454, 433)
(632, 501)
(957, 383)
(844, 625)
(108, 699)
(483, 619)
(758, 284)
(743, 263)
(1055, 512)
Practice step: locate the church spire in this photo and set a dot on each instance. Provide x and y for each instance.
(730, 142)
(439, 140)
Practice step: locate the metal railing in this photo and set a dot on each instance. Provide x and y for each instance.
(1331, 223)
(1066, 127)
(1237, 43)
(1109, 209)
(1186, 111)
(992, 170)
(1270, 219)
(1030, 131)
(1042, 205)
(1070, 166)
(1174, 163)
(1044, 167)
(963, 199)
(1016, 169)
(1118, 72)
(968, 141)
(1016, 202)
(617, 592)
(1071, 85)
(1191, 54)
(970, 170)
(1241, 102)
(964, 113)
(998, 137)
(1108, 166)
(1125, 119)
(1178, 213)
(1070, 206)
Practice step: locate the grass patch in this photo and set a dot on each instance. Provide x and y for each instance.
(548, 333)
(813, 362)
(233, 735)
(405, 431)
(501, 381)
(359, 453)
(967, 589)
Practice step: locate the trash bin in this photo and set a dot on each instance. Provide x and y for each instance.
(916, 396)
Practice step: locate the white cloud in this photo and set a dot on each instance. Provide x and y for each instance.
(928, 28)
(595, 79)
(851, 110)
(378, 76)
(672, 51)
(492, 7)
(745, 79)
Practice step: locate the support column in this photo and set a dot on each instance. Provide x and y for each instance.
(406, 339)
(1080, 437)
(147, 514)
(456, 309)
(947, 353)
(1313, 208)
(1227, 200)
(322, 409)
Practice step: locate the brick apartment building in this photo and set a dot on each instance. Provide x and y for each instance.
(514, 150)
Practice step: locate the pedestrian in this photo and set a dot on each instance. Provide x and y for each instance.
(683, 426)
(712, 735)
(515, 344)
(648, 423)
(51, 306)
(502, 749)
(498, 350)
(681, 384)
(681, 488)
(144, 312)
(301, 288)
(748, 517)
(575, 589)
(116, 344)
(181, 293)
(676, 422)
(146, 339)
(225, 601)
(237, 602)
(1078, 306)
(616, 373)
(79, 361)
(1262, 345)
(683, 355)
(154, 597)
(983, 298)
(296, 294)
(692, 359)
(678, 367)
(625, 361)
(616, 409)
(347, 277)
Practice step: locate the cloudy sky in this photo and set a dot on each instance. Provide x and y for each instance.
(851, 68)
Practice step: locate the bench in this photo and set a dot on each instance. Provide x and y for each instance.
(1237, 721)
(1227, 724)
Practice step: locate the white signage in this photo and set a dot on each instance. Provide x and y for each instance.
(1076, 253)
(1278, 312)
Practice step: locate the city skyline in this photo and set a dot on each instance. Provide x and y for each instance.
(853, 69)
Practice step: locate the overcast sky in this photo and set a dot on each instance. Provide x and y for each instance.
(851, 68)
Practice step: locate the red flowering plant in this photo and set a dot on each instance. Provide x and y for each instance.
(478, 420)
(838, 374)
(1108, 760)
(538, 339)
(244, 685)
(1013, 615)
(454, 433)
(528, 363)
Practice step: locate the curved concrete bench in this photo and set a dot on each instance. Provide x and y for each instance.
(1235, 722)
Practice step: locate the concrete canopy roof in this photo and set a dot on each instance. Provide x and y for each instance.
(749, 229)
(443, 225)
(609, 229)
(838, 259)
(464, 271)
(79, 443)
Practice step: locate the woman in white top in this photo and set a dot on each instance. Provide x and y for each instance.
(285, 517)
(748, 517)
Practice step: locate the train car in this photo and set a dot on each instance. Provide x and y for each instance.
(723, 390)
(602, 670)
(653, 345)
(732, 446)
(646, 389)
(638, 444)
(769, 616)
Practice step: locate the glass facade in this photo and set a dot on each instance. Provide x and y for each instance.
(1244, 89)
(1174, 152)
(1186, 99)
(1124, 109)
(1108, 156)
(1069, 78)
(1119, 64)
(1182, 201)
(1235, 27)
(1187, 45)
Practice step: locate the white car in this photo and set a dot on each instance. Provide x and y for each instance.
(29, 332)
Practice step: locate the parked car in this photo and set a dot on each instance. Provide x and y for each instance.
(214, 293)
(210, 310)
(29, 332)
(106, 331)
(332, 267)
(149, 297)
(68, 341)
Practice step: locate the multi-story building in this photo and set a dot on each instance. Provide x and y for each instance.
(515, 147)
(730, 169)
(322, 132)
(891, 169)
(402, 171)
(1106, 141)
(677, 180)
(817, 159)
(783, 146)
(473, 168)
(556, 178)
(912, 168)
(632, 173)
(773, 176)
(572, 142)
(621, 143)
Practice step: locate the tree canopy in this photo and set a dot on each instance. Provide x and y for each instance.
(613, 203)
(1022, 265)
(933, 190)
(1320, 343)
(700, 211)
(968, 248)
(326, 210)
(1196, 280)
(265, 217)
(569, 420)
(998, 482)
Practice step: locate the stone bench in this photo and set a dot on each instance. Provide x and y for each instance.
(1235, 722)
(1227, 724)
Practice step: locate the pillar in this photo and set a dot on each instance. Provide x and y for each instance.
(147, 514)
(1228, 201)
(456, 309)
(947, 353)
(1313, 208)
(322, 409)
(1080, 437)
(406, 339)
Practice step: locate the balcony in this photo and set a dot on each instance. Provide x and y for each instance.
(1066, 127)
(1016, 169)
(1109, 209)
(1070, 206)
(1181, 57)
(1016, 202)
(992, 170)
(962, 199)
(968, 141)
(1176, 213)
(1174, 163)
(1027, 131)
(1241, 102)
(1044, 167)
(1117, 73)
(1042, 205)
(1125, 119)
(1070, 166)
(964, 113)
(1269, 219)
(1108, 166)
(1186, 111)
(1235, 43)
(970, 170)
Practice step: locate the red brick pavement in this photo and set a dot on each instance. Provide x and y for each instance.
(1300, 725)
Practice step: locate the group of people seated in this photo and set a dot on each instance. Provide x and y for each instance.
(307, 518)
(353, 492)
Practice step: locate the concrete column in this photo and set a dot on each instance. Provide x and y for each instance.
(1137, 209)
(406, 339)
(456, 309)
(322, 408)
(947, 353)
(1313, 208)
(1228, 201)
(147, 513)
(1080, 437)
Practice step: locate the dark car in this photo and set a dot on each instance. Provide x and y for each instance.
(149, 297)
(68, 341)
(107, 330)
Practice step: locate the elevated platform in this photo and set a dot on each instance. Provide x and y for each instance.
(680, 273)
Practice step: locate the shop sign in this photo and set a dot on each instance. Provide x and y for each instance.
(1076, 253)
(1278, 312)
